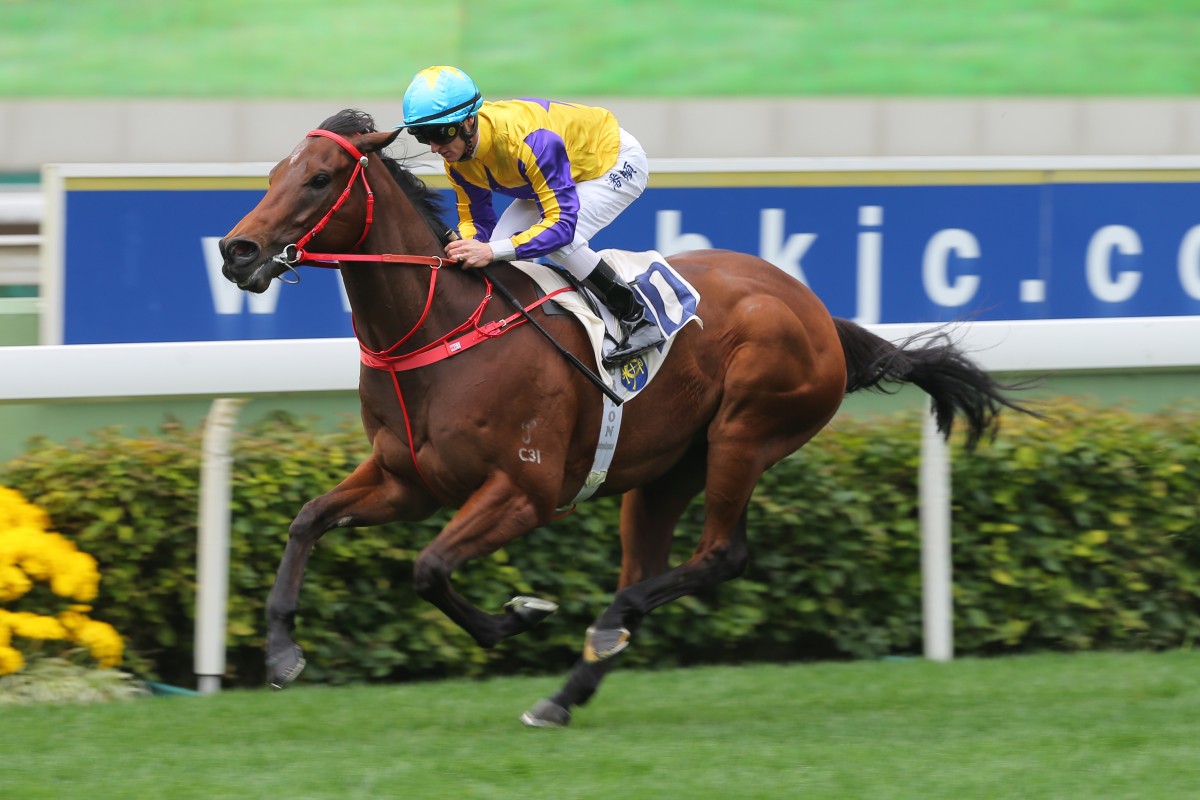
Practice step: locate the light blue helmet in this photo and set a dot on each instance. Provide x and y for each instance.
(440, 95)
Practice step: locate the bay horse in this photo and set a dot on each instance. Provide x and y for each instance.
(763, 374)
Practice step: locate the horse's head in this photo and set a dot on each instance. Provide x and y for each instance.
(318, 178)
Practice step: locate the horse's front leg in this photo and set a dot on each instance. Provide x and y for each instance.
(496, 514)
(369, 496)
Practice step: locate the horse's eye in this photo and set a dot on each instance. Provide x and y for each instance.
(319, 181)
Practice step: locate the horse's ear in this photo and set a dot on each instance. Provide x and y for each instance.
(372, 142)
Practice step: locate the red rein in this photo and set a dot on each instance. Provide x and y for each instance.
(463, 337)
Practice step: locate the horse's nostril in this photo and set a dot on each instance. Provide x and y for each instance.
(240, 251)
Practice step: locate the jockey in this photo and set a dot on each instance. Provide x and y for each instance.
(570, 169)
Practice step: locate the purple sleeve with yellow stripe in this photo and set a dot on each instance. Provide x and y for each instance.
(476, 215)
(544, 163)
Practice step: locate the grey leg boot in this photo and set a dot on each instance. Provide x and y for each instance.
(638, 331)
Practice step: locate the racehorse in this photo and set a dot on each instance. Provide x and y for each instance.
(763, 374)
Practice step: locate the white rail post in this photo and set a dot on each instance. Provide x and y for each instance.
(936, 600)
(212, 553)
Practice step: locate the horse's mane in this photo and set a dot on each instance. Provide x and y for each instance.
(427, 200)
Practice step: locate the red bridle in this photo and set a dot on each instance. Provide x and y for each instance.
(301, 256)
(466, 335)
(462, 338)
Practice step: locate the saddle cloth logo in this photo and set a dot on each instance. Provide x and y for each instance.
(634, 374)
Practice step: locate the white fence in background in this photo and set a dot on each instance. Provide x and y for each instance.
(246, 368)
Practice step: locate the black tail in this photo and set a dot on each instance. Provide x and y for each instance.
(932, 362)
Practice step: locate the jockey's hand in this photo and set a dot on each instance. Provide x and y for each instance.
(470, 252)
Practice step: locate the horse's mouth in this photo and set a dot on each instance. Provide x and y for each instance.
(258, 280)
(256, 283)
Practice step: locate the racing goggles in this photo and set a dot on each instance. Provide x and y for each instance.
(436, 134)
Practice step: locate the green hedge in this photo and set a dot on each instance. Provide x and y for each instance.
(1074, 534)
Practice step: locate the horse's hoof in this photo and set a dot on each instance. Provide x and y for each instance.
(546, 714)
(284, 667)
(601, 645)
(531, 610)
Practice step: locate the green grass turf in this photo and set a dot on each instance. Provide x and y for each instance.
(1052, 726)
(630, 48)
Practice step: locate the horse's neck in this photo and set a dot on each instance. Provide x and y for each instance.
(388, 300)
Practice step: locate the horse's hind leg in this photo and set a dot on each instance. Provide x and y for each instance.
(648, 519)
(721, 554)
(616, 625)
(711, 564)
(369, 496)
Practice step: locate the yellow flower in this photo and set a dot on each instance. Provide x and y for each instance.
(14, 583)
(76, 576)
(35, 626)
(10, 661)
(100, 638)
(16, 511)
(46, 556)
(30, 552)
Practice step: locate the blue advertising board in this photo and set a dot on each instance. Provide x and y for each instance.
(139, 263)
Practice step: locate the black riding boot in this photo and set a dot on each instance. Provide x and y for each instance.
(638, 331)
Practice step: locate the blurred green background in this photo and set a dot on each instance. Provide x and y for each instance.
(663, 48)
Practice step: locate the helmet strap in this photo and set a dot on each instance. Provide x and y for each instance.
(468, 136)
